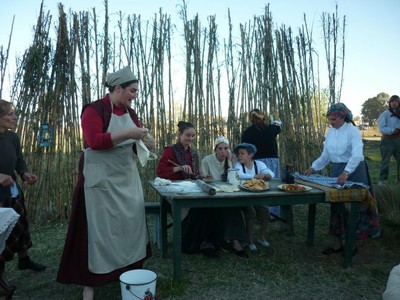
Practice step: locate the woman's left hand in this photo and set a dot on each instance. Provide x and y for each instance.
(309, 171)
(29, 178)
(342, 178)
(149, 141)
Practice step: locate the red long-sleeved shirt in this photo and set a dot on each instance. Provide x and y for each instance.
(92, 126)
(165, 169)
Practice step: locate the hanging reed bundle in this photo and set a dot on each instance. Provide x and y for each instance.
(266, 67)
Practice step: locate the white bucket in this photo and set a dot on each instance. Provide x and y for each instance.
(138, 284)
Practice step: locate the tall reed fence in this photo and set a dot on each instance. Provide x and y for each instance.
(187, 71)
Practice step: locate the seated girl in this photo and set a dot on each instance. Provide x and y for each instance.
(215, 166)
(201, 230)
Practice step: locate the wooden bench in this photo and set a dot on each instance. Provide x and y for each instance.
(152, 208)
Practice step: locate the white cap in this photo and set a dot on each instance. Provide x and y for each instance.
(220, 140)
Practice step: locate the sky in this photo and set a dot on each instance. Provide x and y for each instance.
(372, 58)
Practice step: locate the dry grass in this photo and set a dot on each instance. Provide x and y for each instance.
(287, 270)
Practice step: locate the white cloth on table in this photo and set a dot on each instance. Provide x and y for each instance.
(161, 181)
(8, 219)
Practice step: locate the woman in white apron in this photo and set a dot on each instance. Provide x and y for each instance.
(107, 233)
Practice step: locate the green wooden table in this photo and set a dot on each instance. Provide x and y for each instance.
(273, 197)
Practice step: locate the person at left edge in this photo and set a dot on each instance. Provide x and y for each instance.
(107, 233)
(12, 162)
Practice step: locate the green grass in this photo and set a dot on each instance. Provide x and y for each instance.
(287, 270)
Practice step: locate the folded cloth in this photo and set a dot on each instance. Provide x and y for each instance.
(161, 181)
(328, 181)
(14, 190)
(332, 194)
(8, 219)
(143, 153)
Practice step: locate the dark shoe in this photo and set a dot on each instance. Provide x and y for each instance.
(208, 249)
(211, 253)
(226, 247)
(241, 253)
(330, 250)
(355, 251)
(26, 263)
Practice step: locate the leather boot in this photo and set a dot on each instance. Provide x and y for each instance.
(25, 263)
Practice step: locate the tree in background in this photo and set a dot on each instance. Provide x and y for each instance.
(372, 108)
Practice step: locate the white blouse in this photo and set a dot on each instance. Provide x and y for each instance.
(249, 173)
(342, 145)
(210, 165)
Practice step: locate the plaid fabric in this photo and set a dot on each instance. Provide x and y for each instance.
(351, 195)
(343, 195)
(328, 181)
(19, 238)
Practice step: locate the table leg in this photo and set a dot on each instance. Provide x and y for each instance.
(287, 214)
(350, 234)
(177, 239)
(311, 224)
(163, 220)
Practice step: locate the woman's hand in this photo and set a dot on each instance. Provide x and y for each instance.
(149, 141)
(342, 178)
(29, 178)
(139, 133)
(185, 168)
(229, 155)
(136, 133)
(309, 171)
(6, 180)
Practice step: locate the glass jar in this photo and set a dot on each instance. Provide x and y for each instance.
(288, 174)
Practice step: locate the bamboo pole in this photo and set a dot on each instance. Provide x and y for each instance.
(265, 67)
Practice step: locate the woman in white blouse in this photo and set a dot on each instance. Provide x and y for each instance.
(343, 148)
